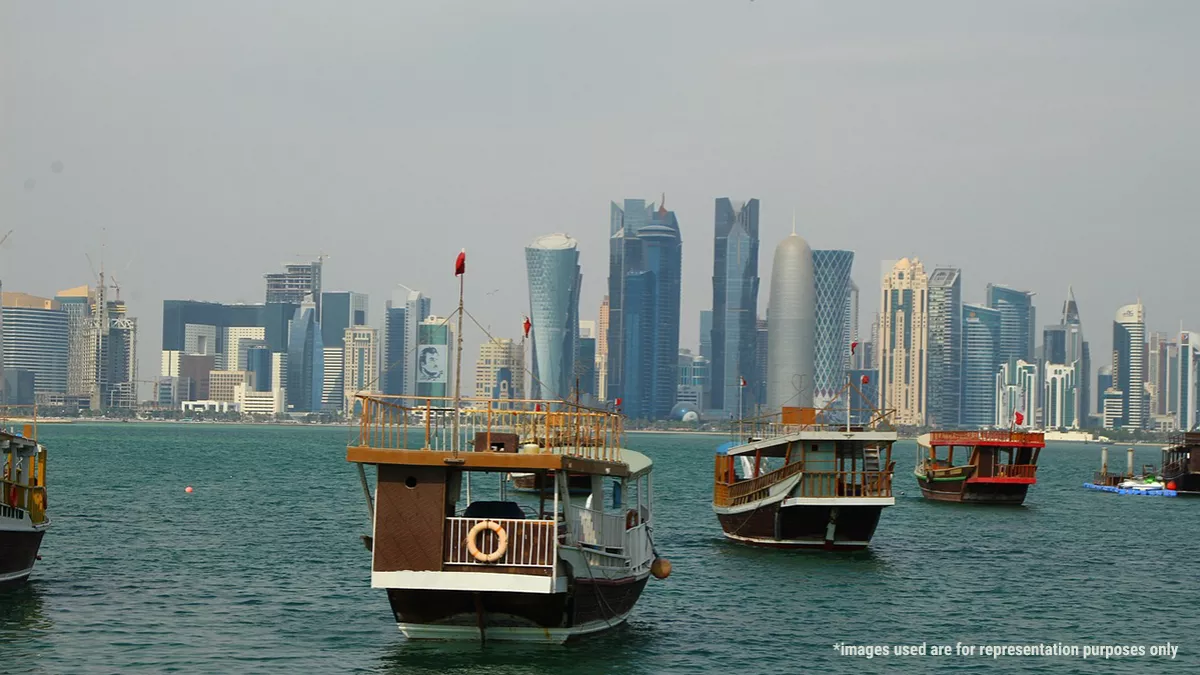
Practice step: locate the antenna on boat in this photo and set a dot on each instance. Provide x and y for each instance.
(460, 271)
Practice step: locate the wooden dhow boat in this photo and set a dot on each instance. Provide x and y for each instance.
(484, 566)
(795, 480)
(1181, 463)
(995, 467)
(23, 519)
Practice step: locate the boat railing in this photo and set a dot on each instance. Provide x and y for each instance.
(846, 484)
(596, 528)
(753, 489)
(967, 438)
(795, 420)
(30, 498)
(428, 423)
(639, 548)
(1015, 471)
(531, 543)
(19, 420)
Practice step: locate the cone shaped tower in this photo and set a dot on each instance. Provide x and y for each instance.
(791, 327)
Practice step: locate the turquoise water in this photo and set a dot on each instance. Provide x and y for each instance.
(261, 570)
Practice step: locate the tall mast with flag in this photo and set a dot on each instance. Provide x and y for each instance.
(460, 271)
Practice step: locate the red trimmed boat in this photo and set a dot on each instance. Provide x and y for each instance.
(23, 519)
(997, 467)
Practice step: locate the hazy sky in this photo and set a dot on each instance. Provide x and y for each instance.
(1038, 144)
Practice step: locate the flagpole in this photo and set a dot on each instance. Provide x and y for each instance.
(458, 359)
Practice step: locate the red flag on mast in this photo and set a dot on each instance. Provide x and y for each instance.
(743, 381)
(460, 263)
(866, 380)
(1019, 417)
(853, 346)
(527, 325)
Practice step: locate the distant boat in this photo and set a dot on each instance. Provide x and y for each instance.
(1181, 463)
(798, 482)
(995, 467)
(23, 519)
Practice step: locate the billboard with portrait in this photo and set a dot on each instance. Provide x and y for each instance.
(432, 365)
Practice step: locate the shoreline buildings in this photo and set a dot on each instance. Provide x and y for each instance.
(904, 333)
(792, 330)
(945, 348)
(644, 286)
(552, 266)
(728, 332)
(1125, 402)
(831, 350)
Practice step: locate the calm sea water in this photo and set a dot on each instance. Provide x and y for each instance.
(261, 570)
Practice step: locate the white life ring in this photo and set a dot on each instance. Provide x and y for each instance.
(501, 546)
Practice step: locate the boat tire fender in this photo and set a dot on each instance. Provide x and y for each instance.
(501, 541)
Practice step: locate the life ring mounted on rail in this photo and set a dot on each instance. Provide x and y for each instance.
(501, 541)
(631, 519)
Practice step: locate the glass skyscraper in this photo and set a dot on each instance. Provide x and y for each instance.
(831, 351)
(981, 341)
(1129, 368)
(945, 347)
(731, 344)
(645, 250)
(395, 343)
(1063, 345)
(552, 265)
(1017, 321)
(306, 360)
(36, 339)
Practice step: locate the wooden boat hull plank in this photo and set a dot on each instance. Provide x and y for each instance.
(780, 526)
(589, 606)
(18, 553)
(982, 493)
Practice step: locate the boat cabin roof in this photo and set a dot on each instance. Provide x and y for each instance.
(778, 445)
(1184, 442)
(991, 439)
(494, 435)
(10, 442)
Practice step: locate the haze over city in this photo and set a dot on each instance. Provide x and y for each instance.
(1033, 144)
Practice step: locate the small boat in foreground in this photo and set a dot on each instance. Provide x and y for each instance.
(23, 519)
(492, 568)
(799, 482)
(996, 467)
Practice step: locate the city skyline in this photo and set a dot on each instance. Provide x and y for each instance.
(174, 182)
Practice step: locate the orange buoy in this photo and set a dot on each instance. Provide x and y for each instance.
(188, 489)
(1171, 485)
(660, 568)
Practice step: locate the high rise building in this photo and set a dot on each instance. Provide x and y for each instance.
(191, 327)
(759, 391)
(434, 374)
(731, 343)
(36, 338)
(693, 380)
(587, 328)
(1188, 417)
(500, 370)
(360, 364)
(417, 308)
(81, 364)
(831, 275)
(585, 369)
(904, 327)
(792, 333)
(852, 324)
(1016, 392)
(306, 360)
(602, 351)
(339, 311)
(221, 383)
(1059, 398)
(1063, 345)
(945, 347)
(981, 344)
(1129, 368)
(1156, 373)
(260, 366)
(295, 283)
(645, 249)
(394, 347)
(1173, 381)
(1104, 381)
(1017, 321)
(552, 265)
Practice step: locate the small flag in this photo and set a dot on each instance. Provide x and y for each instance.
(537, 407)
(1019, 417)
(460, 263)
(527, 325)
(618, 401)
(865, 379)
(743, 381)
(853, 346)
